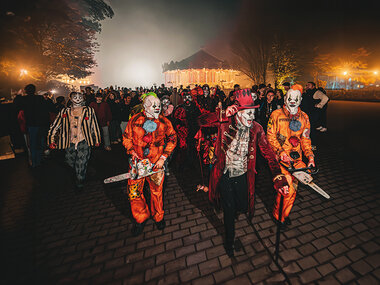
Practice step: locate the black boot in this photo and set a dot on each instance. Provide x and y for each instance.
(138, 229)
(287, 221)
(229, 247)
(161, 224)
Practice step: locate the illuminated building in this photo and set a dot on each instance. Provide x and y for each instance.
(203, 68)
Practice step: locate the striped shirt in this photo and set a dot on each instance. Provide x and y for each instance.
(59, 132)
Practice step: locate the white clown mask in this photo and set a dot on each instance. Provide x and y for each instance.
(165, 103)
(206, 91)
(77, 99)
(293, 100)
(152, 106)
(246, 117)
(188, 98)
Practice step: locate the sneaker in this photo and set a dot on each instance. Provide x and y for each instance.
(107, 148)
(319, 128)
(114, 142)
(119, 140)
(313, 148)
(323, 130)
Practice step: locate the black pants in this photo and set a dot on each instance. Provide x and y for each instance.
(234, 194)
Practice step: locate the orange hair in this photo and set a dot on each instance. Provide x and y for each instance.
(298, 87)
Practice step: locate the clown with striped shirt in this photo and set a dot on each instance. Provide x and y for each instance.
(76, 130)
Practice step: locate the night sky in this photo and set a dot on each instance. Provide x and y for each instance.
(144, 34)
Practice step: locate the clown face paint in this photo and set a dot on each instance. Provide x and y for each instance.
(77, 99)
(152, 107)
(187, 98)
(206, 92)
(246, 117)
(165, 103)
(292, 101)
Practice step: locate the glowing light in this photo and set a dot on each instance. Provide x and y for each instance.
(23, 72)
(53, 91)
(345, 73)
(375, 72)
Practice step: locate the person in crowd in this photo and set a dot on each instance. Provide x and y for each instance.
(76, 130)
(125, 111)
(36, 114)
(236, 88)
(321, 109)
(186, 125)
(279, 98)
(230, 100)
(233, 176)
(60, 103)
(89, 95)
(144, 138)
(286, 86)
(289, 136)
(167, 106)
(268, 106)
(104, 116)
(114, 128)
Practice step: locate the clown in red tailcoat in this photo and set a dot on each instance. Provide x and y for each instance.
(232, 178)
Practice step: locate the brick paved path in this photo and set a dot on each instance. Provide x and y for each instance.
(50, 235)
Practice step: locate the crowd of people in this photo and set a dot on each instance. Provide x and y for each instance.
(201, 123)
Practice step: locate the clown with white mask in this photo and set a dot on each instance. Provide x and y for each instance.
(289, 136)
(148, 136)
(233, 175)
(76, 129)
(166, 105)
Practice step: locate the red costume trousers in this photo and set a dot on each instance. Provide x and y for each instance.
(288, 199)
(140, 209)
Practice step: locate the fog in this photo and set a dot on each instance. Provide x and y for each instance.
(144, 34)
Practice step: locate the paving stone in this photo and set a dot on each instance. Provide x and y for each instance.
(175, 265)
(209, 266)
(361, 267)
(204, 280)
(345, 275)
(196, 258)
(307, 262)
(309, 275)
(189, 273)
(326, 269)
(223, 275)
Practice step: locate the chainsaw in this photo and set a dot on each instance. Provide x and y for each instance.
(139, 169)
(304, 174)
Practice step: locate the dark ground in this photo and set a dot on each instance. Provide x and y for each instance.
(51, 235)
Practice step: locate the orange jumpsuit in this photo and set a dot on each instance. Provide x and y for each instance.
(164, 140)
(282, 138)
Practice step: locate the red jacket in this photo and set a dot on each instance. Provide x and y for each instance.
(103, 113)
(226, 132)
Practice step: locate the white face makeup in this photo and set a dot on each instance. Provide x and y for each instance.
(293, 100)
(188, 98)
(152, 107)
(246, 117)
(77, 100)
(165, 102)
(206, 92)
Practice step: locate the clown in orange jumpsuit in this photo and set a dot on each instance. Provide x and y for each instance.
(148, 135)
(289, 131)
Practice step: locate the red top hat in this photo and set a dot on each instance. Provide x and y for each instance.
(244, 99)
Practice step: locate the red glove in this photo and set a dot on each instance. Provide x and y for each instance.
(52, 146)
(281, 184)
(97, 144)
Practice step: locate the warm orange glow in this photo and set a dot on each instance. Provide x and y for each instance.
(375, 72)
(23, 72)
(345, 73)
